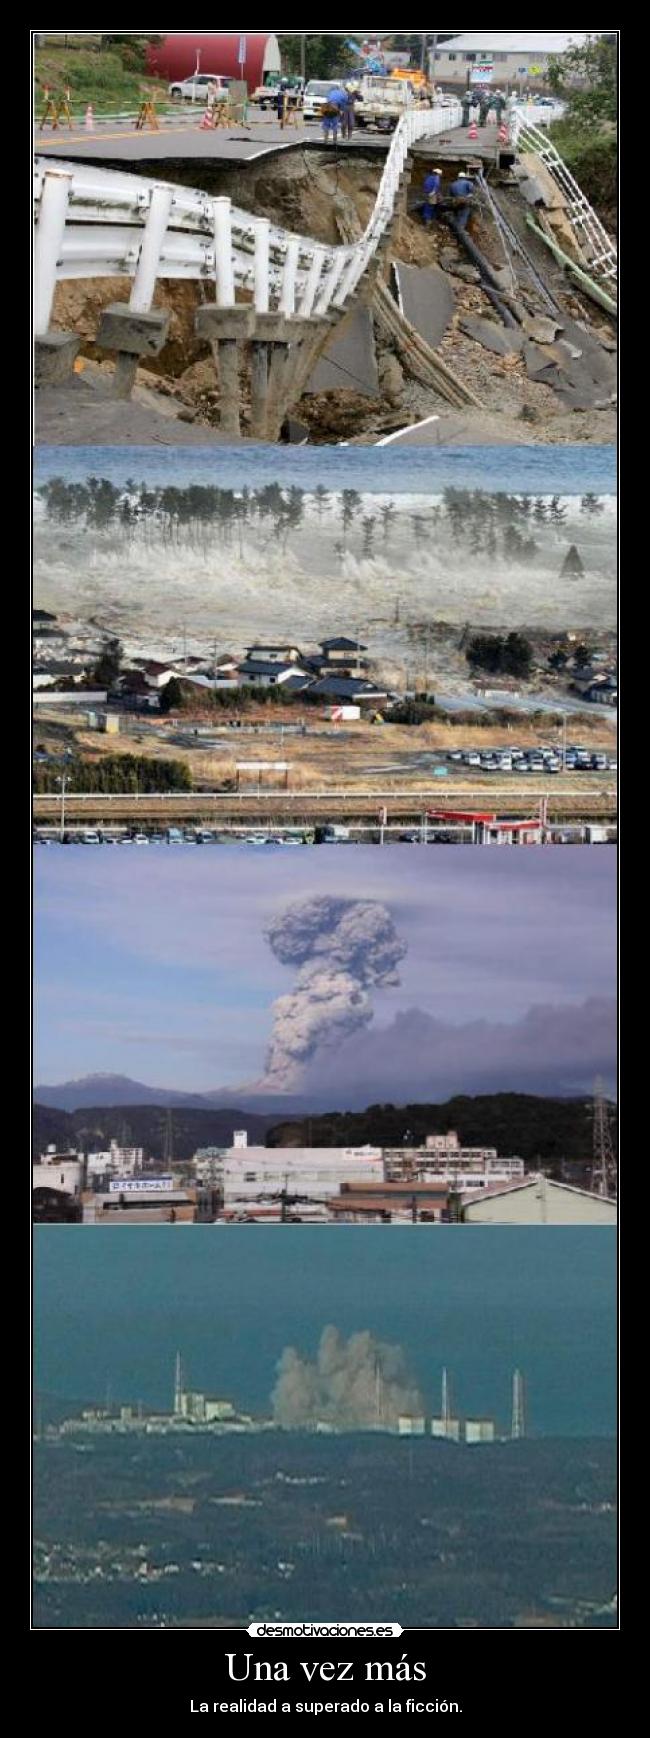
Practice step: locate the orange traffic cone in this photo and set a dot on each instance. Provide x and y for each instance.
(502, 134)
(207, 122)
(472, 132)
(90, 119)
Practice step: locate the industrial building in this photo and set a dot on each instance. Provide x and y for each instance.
(391, 1203)
(539, 1201)
(148, 1200)
(503, 59)
(267, 1180)
(248, 56)
(465, 1169)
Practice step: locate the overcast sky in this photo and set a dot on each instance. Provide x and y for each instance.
(154, 964)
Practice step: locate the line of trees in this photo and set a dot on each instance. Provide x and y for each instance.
(488, 525)
(123, 774)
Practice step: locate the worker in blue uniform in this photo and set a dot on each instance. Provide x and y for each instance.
(463, 188)
(431, 189)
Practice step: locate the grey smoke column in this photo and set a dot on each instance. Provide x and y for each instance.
(355, 1384)
(341, 947)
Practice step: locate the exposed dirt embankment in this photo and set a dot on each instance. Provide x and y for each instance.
(317, 195)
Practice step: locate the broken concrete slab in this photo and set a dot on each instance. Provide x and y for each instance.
(502, 340)
(532, 190)
(348, 358)
(589, 377)
(426, 298)
(541, 329)
(449, 259)
(469, 274)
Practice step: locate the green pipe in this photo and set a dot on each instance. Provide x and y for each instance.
(593, 290)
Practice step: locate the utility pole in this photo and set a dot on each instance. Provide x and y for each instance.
(303, 57)
(434, 53)
(62, 782)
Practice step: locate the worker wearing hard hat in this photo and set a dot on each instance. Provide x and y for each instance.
(431, 189)
(462, 192)
(352, 94)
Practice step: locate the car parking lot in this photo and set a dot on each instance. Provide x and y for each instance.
(574, 757)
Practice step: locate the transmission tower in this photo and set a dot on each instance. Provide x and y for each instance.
(518, 1427)
(168, 1140)
(603, 1170)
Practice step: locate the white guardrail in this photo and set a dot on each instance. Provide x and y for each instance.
(599, 250)
(93, 222)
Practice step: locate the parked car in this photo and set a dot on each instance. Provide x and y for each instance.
(195, 89)
(317, 91)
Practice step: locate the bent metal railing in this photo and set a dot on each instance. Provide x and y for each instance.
(92, 222)
(598, 250)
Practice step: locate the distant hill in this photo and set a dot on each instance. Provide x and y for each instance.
(517, 1124)
(143, 1125)
(539, 1130)
(105, 1089)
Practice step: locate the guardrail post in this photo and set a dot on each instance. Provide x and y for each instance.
(223, 324)
(260, 345)
(135, 329)
(55, 352)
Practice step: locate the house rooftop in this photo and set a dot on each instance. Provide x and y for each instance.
(342, 645)
(514, 42)
(348, 688)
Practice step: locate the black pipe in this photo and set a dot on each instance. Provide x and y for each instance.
(475, 254)
(504, 313)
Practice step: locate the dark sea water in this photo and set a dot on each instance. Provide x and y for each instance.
(546, 470)
(113, 1306)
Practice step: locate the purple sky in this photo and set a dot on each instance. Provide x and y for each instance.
(155, 965)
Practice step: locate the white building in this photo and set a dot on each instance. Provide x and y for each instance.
(266, 1175)
(116, 1161)
(467, 1169)
(60, 1171)
(500, 58)
(480, 1430)
(540, 1201)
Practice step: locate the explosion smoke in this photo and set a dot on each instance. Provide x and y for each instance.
(356, 1384)
(343, 947)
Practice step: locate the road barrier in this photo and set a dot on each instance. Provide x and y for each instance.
(597, 250)
(105, 223)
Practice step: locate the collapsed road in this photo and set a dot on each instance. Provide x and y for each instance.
(483, 329)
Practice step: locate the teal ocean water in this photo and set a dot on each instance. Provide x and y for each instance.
(112, 1308)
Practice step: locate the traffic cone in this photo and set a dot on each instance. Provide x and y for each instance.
(502, 134)
(472, 132)
(90, 119)
(207, 122)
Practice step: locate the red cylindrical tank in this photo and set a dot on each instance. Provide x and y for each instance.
(216, 51)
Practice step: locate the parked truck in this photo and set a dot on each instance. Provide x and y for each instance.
(266, 95)
(384, 101)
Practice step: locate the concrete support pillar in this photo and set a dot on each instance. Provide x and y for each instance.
(134, 336)
(269, 351)
(225, 330)
(259, 388)
(54, 352)
(134, 329)
(310, 337)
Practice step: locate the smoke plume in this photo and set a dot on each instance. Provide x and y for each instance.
(356, 1384)
(341, 947)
